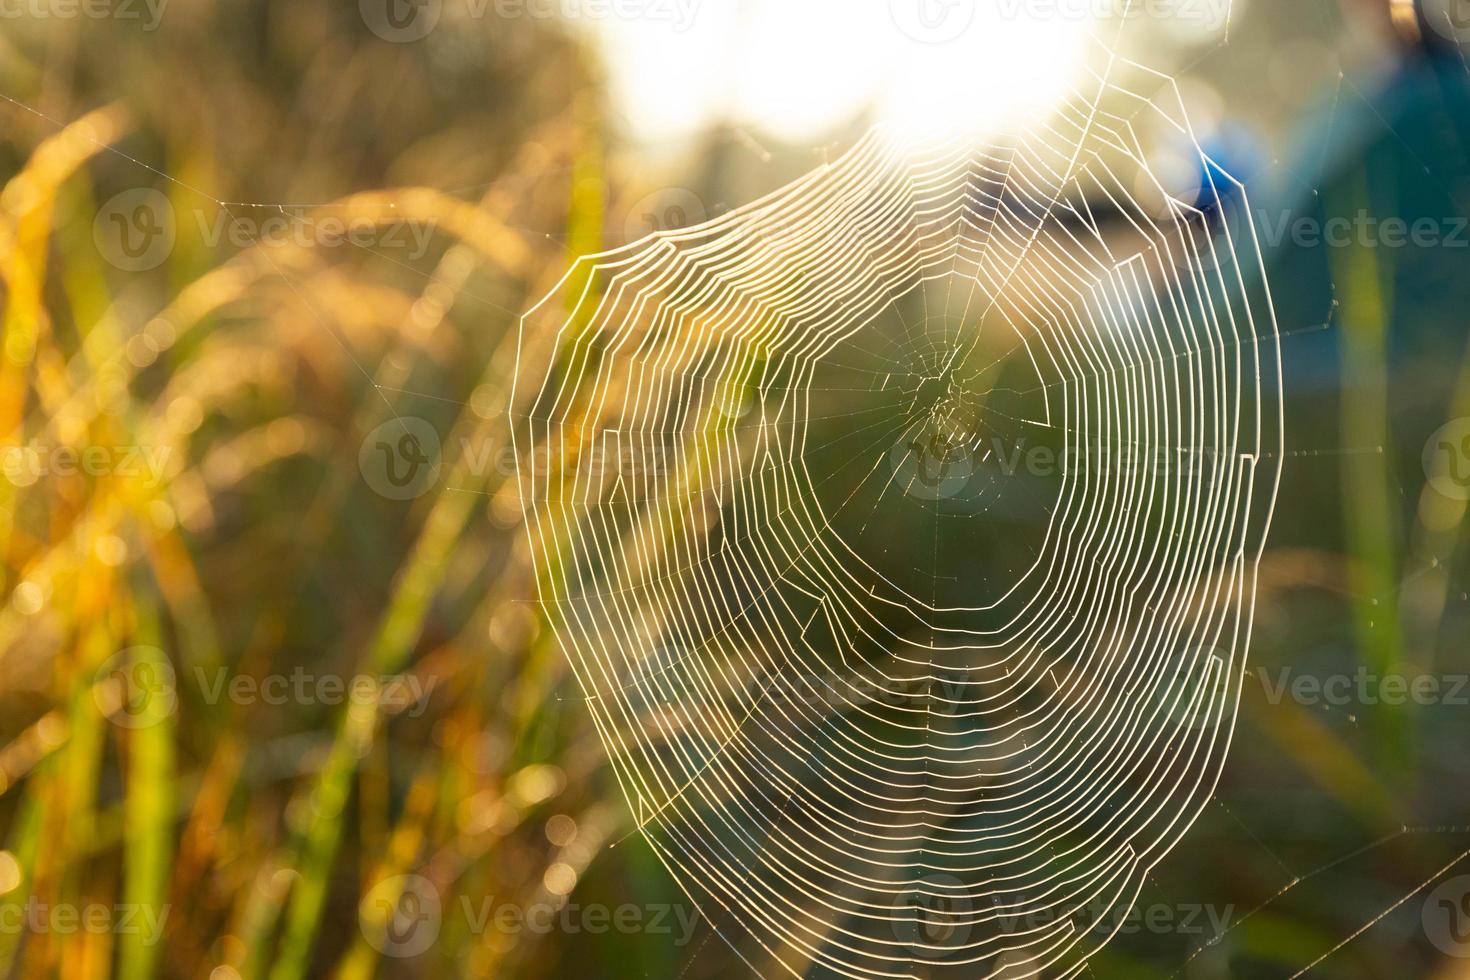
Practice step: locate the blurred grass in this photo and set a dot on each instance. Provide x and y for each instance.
(256, 831)
(1373, 529)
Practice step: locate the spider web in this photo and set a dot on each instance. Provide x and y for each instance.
(901, 529)
(763, 673)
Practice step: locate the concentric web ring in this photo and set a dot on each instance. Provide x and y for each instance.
(901, 528)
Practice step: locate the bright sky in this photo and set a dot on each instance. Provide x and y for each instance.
(794, 68)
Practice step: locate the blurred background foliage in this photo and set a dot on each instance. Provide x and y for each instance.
(253, 370)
